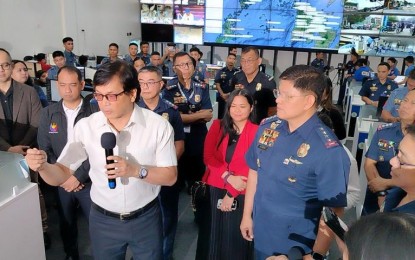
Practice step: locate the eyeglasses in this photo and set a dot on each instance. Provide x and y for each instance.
(5, 66)
(149, 84)
(250, 61)
(277, 94)
(184, 65)
(109, 97)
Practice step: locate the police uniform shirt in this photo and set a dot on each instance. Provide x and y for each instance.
(53, 73)
(392, 200)
(223, 77)
(318, 64)
(383, 147)
(373, 89)
(261, 89)
(169, 112)
(70, 59)
(128, 59)
(145, 58)
(394, 72)
(200, 72)
(408, 70)
(298, 173)
(169, 64)
(361, 73)
(394, 101)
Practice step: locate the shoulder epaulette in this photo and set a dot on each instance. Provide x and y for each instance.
(170, 104)
(236, 72)
(328, 137)
(385, 126)
(168, 87)
(270, 119)
(200, 84)
(269, 77)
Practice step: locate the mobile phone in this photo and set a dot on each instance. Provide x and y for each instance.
(334, 222)
(234, 204)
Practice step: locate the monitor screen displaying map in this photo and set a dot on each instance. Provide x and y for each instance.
(276, 23)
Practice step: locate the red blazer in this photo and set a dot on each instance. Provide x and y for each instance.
(214, 158)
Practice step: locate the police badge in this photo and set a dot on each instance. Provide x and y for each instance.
(197, 98)
(258, 87)
(303, 150)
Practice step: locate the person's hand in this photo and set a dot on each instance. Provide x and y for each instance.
(378, 184)
(36, 159)
(227, 204)
(21, 149)
(121, 168)
(71, 184)
(237, 182)
(239, 86)
(280, 257)
(225, 96)
(374, 103)
(247, 228)
(205, 114)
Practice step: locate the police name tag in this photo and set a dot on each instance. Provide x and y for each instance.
(186, 129)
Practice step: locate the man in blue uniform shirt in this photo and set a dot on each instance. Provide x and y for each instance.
(318, 62)
(193, 101)
(144, 52)
(201, 69)
(373, 89)
(390, 109)
(132, 53)
(382, 148)
(288, 182)
(151, 83)
(258, 84)
(409, 63)
(70, 57)
(59, 60)
(362, 71)
(393, 72)
(223, 82)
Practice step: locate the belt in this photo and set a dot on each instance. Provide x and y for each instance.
(125, 216)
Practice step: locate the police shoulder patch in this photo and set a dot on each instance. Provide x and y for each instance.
(327, 136)
(385, 126)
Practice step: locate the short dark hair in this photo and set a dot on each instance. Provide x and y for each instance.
(361, 62)
(143, 43)
(124, 71)
(250, 48)
(411, 75)
(71, 69)
(57, 54)
(382, 236)
(385, 64)
(409, 59)
(318, 52)
(155, 53)
(182, 54)
(67, 39)
(231, 54)
(231, 48)
(133, 44)
(354, 53)
(393, 60)
(40, 56)
(152, 69)
(113, 44)
(139, 58)
(8, 54)
(306, 78)
(39, 73)
(171, 44)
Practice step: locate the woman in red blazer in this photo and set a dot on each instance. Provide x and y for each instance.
(224, 155)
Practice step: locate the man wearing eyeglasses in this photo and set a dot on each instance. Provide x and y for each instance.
(382, 149)
(288, 181)
(402, 198)
(56, 128)
(259, 84)
(151, 84)
(192, 99)
(126, 214)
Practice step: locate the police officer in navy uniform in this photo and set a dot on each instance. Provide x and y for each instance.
(223, 83)
(318, 62)
(288, 181)
(373, 89)
(383, 147)
(259, 84)
(200, 68)
(151, 84)
(193, 102)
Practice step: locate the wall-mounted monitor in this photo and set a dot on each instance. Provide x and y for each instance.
(157, 32)
(188, 34)
(156, 13)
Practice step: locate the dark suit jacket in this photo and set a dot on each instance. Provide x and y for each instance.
(26, 112)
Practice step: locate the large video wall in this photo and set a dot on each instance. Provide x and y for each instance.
(376, 28)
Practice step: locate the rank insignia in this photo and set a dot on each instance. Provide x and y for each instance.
(177, 94)
(397, 101)
(165, 116)
(388, 87)
(258, 163)
(268, 138)
(258, 87)
(292, 179)
(274, 125)
(303, 150)
(294, 161)
(197, 98)
(381, 158)
(373, 88)
(383, 144)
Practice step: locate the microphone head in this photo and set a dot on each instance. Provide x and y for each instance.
(108, 140)
(295, 253)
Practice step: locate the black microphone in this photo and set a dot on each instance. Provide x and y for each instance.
(295, 253)
(108, 142)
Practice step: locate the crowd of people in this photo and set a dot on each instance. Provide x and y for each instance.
(270, 162)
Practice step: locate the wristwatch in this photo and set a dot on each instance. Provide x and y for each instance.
(317, 256)
(143, 172)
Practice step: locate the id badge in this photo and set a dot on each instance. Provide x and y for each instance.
(187, 129)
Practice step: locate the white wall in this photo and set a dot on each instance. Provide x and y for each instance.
(28, 27)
